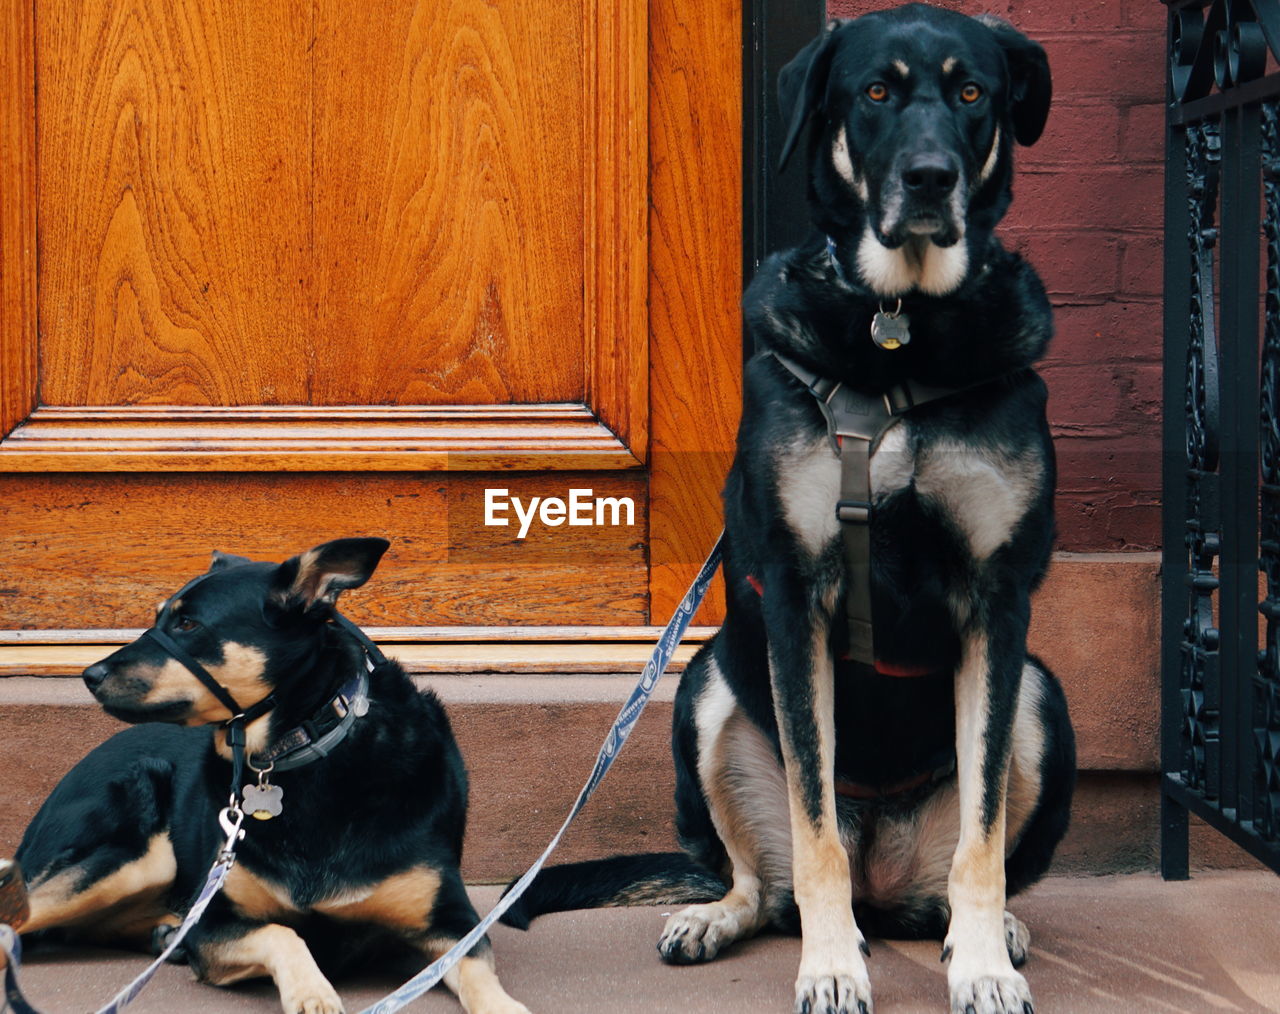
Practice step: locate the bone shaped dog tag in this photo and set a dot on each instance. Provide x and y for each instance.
(890, 330)
(263, 802)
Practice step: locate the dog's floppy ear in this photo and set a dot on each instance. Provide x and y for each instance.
(320, 575)
(802, 84)
(1030, 84)
(221, 561)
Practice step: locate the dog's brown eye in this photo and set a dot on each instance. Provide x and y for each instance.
(878, 91)
(185, 624)
(970, 93)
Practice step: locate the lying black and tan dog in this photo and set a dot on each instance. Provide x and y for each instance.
(361, 862)
(909, 794)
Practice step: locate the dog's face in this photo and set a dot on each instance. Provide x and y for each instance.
(250, 625)
(916, 112)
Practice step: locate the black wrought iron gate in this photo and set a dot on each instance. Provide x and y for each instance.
(1221, 681)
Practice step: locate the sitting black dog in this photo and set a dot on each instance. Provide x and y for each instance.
(866, 745)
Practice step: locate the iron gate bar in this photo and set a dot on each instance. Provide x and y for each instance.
(1220, 696)
(1215, 105)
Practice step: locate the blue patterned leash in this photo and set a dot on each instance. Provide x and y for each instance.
(613, 743)
(11, 944)
(231, 818)
(11, 949)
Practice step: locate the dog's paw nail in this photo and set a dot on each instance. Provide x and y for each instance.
(862, 1008)
(1028, 1009)
(864, 947)
(946, 953)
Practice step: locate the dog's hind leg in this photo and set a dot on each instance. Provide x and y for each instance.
(98, 857)
(745, 792)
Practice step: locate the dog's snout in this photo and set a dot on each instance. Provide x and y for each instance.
(95, 674)
(931, 177)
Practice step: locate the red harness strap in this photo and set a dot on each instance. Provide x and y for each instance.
(855, 790)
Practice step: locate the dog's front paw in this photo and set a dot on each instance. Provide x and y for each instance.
(1017, 939)
(990, 994)
(503, 1005)
(315, 1000)
(699, 933)
(833, 994)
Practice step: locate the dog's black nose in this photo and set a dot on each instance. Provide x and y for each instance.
(931, 177)
(95, 674)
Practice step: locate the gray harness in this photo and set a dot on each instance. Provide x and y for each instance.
(855, 422)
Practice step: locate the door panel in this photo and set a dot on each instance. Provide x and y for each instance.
(315, 270)
(381, 208)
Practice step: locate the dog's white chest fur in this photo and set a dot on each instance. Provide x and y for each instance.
(982, 491)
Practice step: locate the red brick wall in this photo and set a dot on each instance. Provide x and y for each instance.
(1087, 212)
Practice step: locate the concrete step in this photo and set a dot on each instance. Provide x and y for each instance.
(530, 741)
(1098, 945)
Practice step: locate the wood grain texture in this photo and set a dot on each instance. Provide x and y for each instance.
(616, 213)
(303, 438)
(695, 284)
(100, 550)
(174, 177)
(449, 176)
(17, 213)
(342, 204)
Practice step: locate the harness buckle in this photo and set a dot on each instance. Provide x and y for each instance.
(856, 512)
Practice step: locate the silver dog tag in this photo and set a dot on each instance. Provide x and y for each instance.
(262, 802)
(890, 330)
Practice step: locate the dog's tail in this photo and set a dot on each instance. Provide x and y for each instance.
(658, 878)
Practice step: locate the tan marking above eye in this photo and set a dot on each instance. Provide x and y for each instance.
(948, 65)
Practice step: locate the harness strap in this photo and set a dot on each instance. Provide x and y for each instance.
(856, 422)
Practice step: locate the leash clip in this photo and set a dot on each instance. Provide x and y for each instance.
(230, 819)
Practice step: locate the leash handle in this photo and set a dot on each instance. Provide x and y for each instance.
(614, 741)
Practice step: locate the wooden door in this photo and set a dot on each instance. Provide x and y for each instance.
(276, 273)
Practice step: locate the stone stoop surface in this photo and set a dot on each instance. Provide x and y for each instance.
(1098, 945)
(530, 741)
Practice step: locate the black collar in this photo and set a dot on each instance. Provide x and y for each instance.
(321, 733)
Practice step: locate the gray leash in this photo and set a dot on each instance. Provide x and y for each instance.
(613, 743)
(230, 818)
(11, 944)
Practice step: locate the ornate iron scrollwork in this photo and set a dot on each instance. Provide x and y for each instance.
(1200, 696)
(1223, 43)
(1266, 709)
